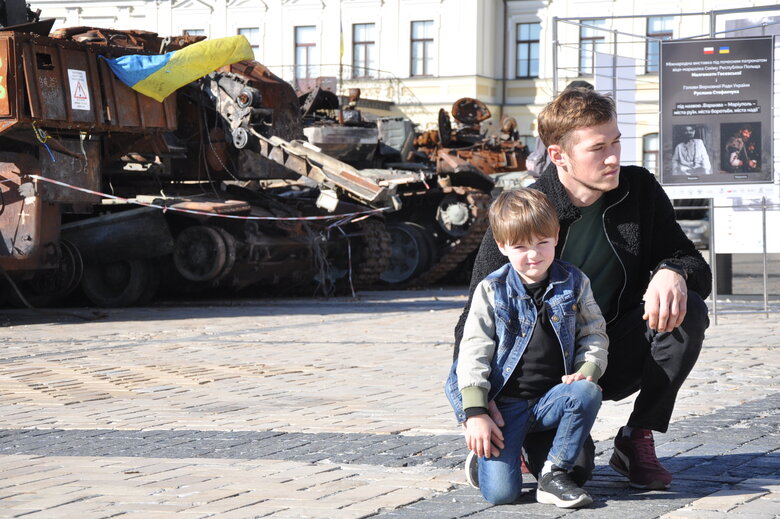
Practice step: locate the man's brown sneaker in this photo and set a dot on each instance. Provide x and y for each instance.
(635, 458)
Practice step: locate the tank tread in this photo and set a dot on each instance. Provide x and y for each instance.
(375, 253)
(461, 248)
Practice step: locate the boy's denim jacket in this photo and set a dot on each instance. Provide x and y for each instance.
(500, 323)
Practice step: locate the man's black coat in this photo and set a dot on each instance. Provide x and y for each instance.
(641, 226)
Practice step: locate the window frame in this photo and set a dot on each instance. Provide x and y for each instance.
(528, 52)
(256, 30)
(650, 154)
(585, 64)
(309, 49)
(654, 41)
(426, 44)
(368, 47)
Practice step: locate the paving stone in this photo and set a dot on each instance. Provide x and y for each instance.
(275, 405)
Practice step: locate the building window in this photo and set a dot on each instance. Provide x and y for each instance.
(422, 48)
(252, 34)
(194, 32)
(658, 28)
(650, 153)
(592, 40)
(305, 45)
(527, 50)
(363, 43)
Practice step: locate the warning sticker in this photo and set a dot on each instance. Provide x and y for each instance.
(79, 93)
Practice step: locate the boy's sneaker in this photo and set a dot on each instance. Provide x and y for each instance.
(557, 488)
(472, 469)
(538, 444)
(635, 458)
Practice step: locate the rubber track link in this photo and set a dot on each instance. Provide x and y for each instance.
(460, 248)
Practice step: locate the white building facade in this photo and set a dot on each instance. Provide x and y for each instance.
(417, 56)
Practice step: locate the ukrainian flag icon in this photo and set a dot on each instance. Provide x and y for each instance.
(159, 75)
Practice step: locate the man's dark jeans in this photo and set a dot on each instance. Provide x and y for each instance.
(655, 364)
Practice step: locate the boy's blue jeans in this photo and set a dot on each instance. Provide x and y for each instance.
(571, 408)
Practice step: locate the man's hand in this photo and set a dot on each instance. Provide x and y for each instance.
(483, 436)
(666, 301)
(495, 414)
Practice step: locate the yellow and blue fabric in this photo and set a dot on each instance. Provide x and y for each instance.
(159, 75)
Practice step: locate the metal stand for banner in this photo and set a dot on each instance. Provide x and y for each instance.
(763, 242)
(715, 265)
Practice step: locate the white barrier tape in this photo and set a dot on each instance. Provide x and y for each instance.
(346, 216)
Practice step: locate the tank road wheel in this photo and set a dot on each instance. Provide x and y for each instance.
(51, 286)
(121, 283)
(200, 253)
(462, 215)
(410, 253)
(153, 282)
(454, 215)
(230, 253)
(428, 242)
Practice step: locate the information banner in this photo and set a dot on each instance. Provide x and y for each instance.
(716, 111)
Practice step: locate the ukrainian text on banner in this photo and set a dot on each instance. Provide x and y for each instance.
(159, 75)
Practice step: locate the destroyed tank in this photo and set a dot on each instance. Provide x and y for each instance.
(108, 192)
(502, 157)
(443, 196)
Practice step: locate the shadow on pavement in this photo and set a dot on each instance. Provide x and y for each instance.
(369, 302)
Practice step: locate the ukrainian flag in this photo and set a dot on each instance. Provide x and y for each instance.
(159, 75)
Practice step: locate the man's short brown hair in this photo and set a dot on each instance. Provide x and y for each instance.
(520, 215)
(573, 109)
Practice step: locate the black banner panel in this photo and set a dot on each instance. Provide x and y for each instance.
(716, 111)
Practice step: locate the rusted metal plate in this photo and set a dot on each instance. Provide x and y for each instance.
(120, 100)
(29, 227)
(68, 86)
(5, 106)
(79, 78)
(44, 75)
(79, 171)
(126, 108)
(152, 114)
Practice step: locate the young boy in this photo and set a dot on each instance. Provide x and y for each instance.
(535, 343)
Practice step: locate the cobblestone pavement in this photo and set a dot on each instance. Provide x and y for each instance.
(329, 409)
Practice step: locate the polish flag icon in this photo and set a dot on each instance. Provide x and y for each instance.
(709, 50)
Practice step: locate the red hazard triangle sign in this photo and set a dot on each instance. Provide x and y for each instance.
(80, 93)
(79, 97)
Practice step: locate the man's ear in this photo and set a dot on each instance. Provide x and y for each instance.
(556, 154)
(501, 248)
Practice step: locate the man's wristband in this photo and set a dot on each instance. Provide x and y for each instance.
(674, 267)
